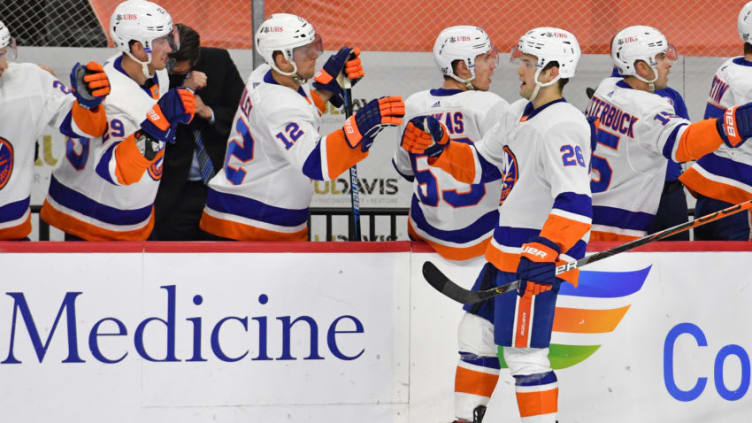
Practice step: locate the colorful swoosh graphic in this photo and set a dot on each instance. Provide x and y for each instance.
(591, 323)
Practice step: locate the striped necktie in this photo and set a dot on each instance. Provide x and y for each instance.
(206, 168)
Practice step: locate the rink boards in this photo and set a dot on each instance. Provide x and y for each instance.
(318, 332)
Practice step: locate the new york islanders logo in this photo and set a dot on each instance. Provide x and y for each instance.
(510, 173)
(6, 161)
(586, 316)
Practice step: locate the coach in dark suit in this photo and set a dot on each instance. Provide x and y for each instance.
(199, 150)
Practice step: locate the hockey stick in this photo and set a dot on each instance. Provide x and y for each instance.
(443, 284)
(354, 184)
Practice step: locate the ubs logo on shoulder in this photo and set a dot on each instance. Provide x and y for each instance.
(6, 161)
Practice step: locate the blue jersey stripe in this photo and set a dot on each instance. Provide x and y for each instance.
(713, 111)
(726, 168)
(82, 204)
(103, 167)
(15, 210)
(620, 218)
(668, 148)
(254, 209)
(571, 202)
(312, 165)
(468, 234)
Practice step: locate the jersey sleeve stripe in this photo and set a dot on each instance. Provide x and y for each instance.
(312, 167)
(697, 140)
(574, 205)
(458, 160)
(564, 232)
(105, 164)
(339, 155)
(84, 205)
(89, 123)
(714, 111)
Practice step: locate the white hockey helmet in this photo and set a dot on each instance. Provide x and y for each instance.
(744, 23)
(142, 21)
(462, 42)
(285, 32)
(6, 41)
(548, 45)
(640, 43)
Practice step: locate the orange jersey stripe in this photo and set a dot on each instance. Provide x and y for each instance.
(241, 232)
(575, 320)
(339, 155)
(508, 262)
(457, 160)
(89, 232)
(93, 122)
(17, 232)
(538, 403)
(318, 102)
(452, 253)
(469, 381)
(699, 139)
(608, 236)
(564, 232)
(131, 164)
(693, 180)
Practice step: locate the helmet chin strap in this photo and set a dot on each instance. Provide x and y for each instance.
(144, 65)
(651, 83)
(293, 74)
(539, 85)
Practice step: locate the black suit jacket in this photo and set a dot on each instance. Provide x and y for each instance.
(222, 93)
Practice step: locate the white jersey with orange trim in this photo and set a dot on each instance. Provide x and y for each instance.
(274, 153)
(104, 189)
(638, 132)
(455, 218)
(543, 155)
(30, 99)
(725, 174)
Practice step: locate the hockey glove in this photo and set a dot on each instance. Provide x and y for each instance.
(176, 106)
(346, 60)
(89, 84)
(537, 269)
(362, 127)
(431, 141)
(736, 125)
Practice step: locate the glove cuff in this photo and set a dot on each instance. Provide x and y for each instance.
(540, 250)
(728, 129)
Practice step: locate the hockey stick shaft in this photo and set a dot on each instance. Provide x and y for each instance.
(354, 184)
(444, 285)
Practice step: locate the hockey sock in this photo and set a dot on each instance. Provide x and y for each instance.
(474, 383)
(537, 397)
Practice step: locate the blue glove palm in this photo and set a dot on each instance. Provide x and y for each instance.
(89, 84)
(346, 60)
(537, 268)
(176, 106)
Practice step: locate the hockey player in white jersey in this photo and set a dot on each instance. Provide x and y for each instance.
(454, 218)
(105, 188)
(275, 150)
(30, 99)
(541, 148)
(724, 177)
(639, 132)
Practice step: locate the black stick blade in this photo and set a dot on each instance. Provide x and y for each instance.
(443, 284)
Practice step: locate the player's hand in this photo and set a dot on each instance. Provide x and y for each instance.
(176, 106)
(362, 127)
(425, 135)
(537, 269)
(347, 61)
(736, 125)
(89, 84)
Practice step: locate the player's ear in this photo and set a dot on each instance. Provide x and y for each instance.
(644, 70)
(549, 74)
(460, 69)
(281, 61)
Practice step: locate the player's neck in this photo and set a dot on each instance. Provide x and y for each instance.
(133, 69)
(547, 95)
(453, 84)
(284, 80)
